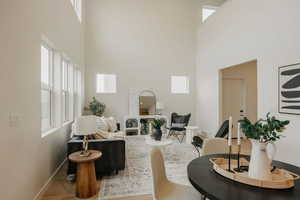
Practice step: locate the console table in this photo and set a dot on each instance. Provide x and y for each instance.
(132, 124)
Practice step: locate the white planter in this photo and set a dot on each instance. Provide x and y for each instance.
(260, 162)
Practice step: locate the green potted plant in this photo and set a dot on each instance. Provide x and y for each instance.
(156, 128)
(96, 107)
(261, 133)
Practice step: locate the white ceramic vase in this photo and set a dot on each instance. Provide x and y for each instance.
(261, 159)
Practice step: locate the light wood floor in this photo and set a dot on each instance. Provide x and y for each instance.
(61, 189)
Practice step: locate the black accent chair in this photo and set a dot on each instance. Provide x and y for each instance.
(222, 132)
(178, 124)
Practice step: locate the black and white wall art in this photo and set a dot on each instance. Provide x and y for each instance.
(289, 89)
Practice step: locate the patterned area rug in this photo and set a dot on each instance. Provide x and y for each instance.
(136, 178)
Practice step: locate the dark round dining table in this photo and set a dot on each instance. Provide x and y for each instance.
(216, 187)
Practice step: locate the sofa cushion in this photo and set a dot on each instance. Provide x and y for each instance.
(112, 124)
(102, 124)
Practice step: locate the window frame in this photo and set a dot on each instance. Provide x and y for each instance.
(187, 80)
(49, 88)
(76, 93)
(65, 91)
(71, 84)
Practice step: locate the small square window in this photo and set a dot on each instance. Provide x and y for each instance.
(106, 83)
(180, 85)
(206, 12)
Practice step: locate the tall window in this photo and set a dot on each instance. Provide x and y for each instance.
(65, 92)
(180, 85)
(207, 11)
(106, 83)
(46, 88)
(77, 92)
(78, 96)
(71, 91)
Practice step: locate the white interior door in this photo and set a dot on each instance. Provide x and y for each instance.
(234, 100)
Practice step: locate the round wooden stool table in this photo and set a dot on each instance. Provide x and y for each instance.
(86, 184)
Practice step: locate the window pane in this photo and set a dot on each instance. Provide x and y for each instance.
(106, 83)
(66, 106)
(63, 106)
(71, 92)
(79, 94)
(45, 66)
(206, 12)
(46, 108)
(70, 78)
(64, 75)
(179, 84)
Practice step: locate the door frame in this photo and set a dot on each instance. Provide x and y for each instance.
(220, 84)
(244, 95)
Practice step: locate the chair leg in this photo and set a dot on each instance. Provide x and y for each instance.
(182, 138)
(178, 138)
(169, 134)
(197, 150)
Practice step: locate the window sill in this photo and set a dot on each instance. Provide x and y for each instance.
(46, 133)
(49, 132)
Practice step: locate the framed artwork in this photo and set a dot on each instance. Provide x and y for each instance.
(289, 89)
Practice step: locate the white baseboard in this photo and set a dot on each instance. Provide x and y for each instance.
(46, 185)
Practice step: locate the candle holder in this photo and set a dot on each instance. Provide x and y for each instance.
(238, 169)
(229, 159)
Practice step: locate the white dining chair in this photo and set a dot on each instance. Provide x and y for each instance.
(214, 146)
(163, 189)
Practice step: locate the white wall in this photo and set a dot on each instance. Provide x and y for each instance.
(242, 30)
(144, 43)
(27, 160)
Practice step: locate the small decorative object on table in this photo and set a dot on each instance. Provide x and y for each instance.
(85, 126)
(260, 173)
(262, 133)
(230, 144)
(239, 167)
(280, 178)
(156, 128)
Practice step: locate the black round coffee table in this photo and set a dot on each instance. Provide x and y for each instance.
(216, 187)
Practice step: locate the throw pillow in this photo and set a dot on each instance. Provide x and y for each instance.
(112, 124)
(102, 124)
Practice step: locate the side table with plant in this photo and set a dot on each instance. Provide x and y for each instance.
(156, 128)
